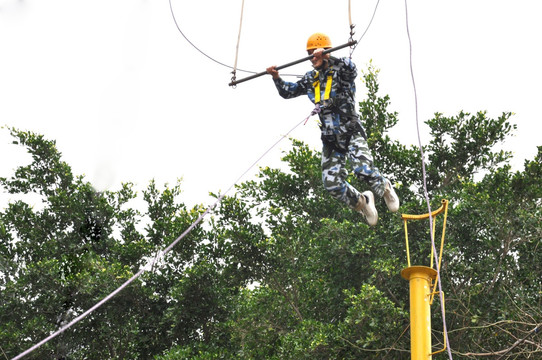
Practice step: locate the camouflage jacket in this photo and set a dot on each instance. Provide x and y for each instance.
(338, 116)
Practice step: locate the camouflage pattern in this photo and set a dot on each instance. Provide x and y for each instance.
(343, 136)
(334, 170)
(338, 114)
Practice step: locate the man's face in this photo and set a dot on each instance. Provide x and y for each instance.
(317, 62)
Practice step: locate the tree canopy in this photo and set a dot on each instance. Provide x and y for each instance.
(280, 270)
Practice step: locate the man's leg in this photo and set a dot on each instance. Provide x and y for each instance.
(334, 175)
(361, 160)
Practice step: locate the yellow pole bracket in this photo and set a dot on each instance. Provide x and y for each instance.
(442, 209)
(444, 341)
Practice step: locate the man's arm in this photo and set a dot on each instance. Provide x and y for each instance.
(287, 89)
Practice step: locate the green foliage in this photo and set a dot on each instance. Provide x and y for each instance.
(74, 247)
(280, 270)
(462, 146)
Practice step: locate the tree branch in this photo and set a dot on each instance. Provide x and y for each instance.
(287, 297)
(519, 342)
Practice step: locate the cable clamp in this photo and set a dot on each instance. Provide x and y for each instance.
(351, 40)
(233, 79)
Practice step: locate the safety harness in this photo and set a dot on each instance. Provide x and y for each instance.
(352, 127)
(316, 86)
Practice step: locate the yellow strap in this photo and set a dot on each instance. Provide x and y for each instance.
(316, 91)
(328, 87)
(316, 86)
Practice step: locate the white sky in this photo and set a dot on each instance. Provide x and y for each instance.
(128, 99)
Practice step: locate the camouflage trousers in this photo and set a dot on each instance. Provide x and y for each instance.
(334, 171)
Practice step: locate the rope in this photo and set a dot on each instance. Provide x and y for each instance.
(208, 56)
(161, 253)
(349, 13)
(315, 111)
(195, 47)
(238, 41)
(425, 188)
(366, 29)
(352, 26)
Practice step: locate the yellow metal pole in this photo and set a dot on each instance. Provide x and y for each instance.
(420, 278)
(421, 295)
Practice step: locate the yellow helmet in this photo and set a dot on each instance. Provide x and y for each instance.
(318, 40)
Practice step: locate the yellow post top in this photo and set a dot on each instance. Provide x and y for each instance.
(442, 209)
(419, 271)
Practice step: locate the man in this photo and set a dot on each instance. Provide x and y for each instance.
(330, 86)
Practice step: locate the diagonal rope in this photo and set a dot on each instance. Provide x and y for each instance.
(160, 253)
(425, 188)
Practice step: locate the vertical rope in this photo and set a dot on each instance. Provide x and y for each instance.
(426, 194)
(351, 27)
(238, 41)
(349, 13)
(366, 29)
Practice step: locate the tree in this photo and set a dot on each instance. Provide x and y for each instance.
(328, 286)
(280, 270)
(76, 246)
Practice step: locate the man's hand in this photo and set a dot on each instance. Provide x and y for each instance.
(272, 70)
(317, 58)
